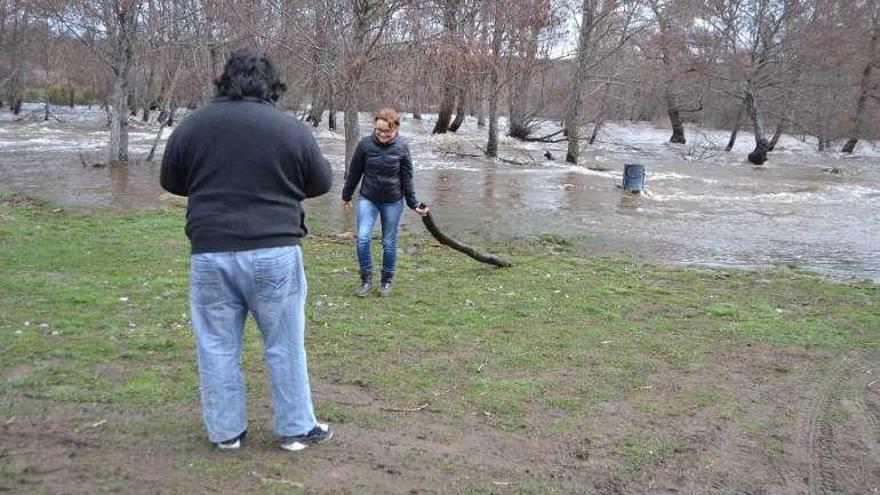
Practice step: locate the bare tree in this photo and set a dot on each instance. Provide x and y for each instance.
(671, 16)
(493, 12)
(368, 21)
(17, 45)
(867, 87)
(606, 27)
(451, 10)
(109, 28)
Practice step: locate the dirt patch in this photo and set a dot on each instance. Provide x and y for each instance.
(19, 199)
(756, 419)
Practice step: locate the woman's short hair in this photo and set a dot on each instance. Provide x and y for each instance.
(389, 115)
(249, 72)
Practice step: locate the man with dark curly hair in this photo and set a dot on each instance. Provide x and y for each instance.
(246, 167)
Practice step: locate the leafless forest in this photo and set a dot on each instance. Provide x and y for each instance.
(804, 67)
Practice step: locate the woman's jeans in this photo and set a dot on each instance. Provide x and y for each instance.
(366, 219)
(271, 284)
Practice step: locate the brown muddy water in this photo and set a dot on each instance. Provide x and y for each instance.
(701, 206)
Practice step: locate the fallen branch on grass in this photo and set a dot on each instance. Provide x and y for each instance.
(405, 409)
(279, 481)
(93, 425)
(482, 257)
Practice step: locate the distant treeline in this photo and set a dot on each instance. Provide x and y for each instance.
(772, 66)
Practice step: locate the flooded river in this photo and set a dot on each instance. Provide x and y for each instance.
(701, 205)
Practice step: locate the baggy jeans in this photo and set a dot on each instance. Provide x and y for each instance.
(270, 283)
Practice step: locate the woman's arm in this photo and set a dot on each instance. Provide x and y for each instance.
(355, 172)
(406, 178)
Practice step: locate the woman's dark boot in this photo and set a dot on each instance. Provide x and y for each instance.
(366, 284)
(385, 288)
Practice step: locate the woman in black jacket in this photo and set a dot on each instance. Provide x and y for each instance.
(382, 164)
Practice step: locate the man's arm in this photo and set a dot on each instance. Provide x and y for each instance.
(173, 175)
(319, 175)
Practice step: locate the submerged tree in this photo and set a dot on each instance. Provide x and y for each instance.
(109, 28)
(867, 86)
(451, 10)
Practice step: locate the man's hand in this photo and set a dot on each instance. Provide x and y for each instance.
(346, 205)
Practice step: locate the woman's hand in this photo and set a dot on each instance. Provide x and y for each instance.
(346, 205)
(422, 209)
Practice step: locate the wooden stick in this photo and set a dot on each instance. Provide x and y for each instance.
(452, 243)
(405, 409)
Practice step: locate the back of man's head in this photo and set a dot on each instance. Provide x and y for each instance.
(249, 72)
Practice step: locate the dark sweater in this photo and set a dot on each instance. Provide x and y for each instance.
(245, 166)
(386, 170)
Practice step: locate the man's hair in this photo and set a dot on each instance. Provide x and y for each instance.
(249, 72)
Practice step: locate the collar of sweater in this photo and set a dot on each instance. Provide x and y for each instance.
(389, 143)
(218, 99)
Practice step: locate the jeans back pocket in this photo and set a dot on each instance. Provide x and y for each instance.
(205, 285)
(275, 277)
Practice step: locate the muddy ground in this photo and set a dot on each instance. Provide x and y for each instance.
(760, 419)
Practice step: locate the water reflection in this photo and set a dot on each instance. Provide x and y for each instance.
(119, 194)
(629, 200)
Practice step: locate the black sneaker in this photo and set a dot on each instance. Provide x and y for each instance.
(320, 434)
(364, 289)
(233, 443)
(385, 289)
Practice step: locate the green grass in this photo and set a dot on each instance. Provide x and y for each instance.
(94, 309)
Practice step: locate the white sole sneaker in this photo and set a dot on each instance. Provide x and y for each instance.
(230, 446)
(295, 444)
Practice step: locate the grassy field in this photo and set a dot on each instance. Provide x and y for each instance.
(567, 373)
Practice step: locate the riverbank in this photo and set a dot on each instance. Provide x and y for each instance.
(563, 374)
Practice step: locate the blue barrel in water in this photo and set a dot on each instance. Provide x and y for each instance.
(633, 177)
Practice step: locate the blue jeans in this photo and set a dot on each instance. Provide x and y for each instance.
(271, 284)
(366, 219)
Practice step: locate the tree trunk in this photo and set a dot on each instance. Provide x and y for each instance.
(780, 128)
(319, 87)
(674, 116)
(124, 13)
(492, 144)
(446, 109)
(447, 106)
(865, 86)
(481, 104)
(216, 62)
(118, 151)
(573, 116)
(316, 112)
(600, 119)
(736, 123)
(148, 99)
(459, 111)
(352, 130)
(759, 155)
(596, 129)
(19, 62)
(331, 118)
(518, 103)
(331, 106)
(494, 89)
(417, 98)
